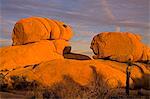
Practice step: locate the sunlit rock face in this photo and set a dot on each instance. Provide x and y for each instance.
(34, 29)
(113, 73)
(35, 40)
(40, 46)
(120, 46)
(12, 57)
(49, 73)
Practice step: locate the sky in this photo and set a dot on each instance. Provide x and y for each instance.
(87, 18)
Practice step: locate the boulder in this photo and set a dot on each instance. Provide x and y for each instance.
(119, 46)
(140, 72)
(112, 73)
(34, 29)
(51, 72)
(12, 57)
(67, 50)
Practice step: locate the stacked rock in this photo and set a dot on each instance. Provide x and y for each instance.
(35, 40)
(34, 29)
(38, 42)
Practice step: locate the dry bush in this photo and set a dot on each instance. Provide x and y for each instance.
(3, 83)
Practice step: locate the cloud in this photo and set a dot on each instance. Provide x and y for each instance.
(107, 9)
(109, 13)
(134, 24)
(127, 13)
(87, 17)
(4, 42)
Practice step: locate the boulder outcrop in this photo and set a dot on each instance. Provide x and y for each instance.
(41, 44)
(34, 53)
(49, 73)
(113, 73)
(120, 46)
(34, 29)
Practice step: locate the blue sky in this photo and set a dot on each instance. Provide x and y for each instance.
(87, 17)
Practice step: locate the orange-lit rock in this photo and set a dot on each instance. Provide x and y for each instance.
(146, 54)
(114, 73)
(140, 72)
(49, 73)
(60, 45)
(34, 53)
(119, 46)
(34, 29)
(65, 31)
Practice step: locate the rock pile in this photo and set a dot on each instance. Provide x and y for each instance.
(35, 40)
(12, 57)
(40, 45)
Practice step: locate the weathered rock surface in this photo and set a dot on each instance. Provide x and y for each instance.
(18, 56)
(49, 73)
(140, 72)
(114, 73)
(120, 46)
(34, 29)
(41, 43)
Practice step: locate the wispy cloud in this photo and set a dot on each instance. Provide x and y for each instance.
(107, 9)
(87, 17)
(4, 42)
(134, 24)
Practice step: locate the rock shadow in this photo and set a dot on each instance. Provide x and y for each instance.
(69, 55)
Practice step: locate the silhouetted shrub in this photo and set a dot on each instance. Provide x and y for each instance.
(3, 83)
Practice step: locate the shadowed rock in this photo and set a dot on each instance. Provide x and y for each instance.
(69, 55)
(67, 50)
(76, 56)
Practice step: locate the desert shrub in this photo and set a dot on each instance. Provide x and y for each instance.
(3, 83)
(20, 83)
